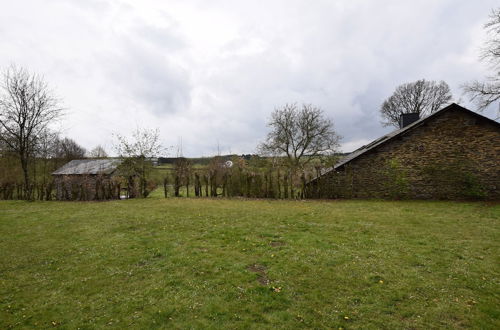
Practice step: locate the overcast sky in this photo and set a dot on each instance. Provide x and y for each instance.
(211, 72)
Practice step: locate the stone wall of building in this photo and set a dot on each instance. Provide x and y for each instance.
(453, 155)
(86, 187)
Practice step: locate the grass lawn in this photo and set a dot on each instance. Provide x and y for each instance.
(208, 263)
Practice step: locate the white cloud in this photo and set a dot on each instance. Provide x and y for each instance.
(212, 72)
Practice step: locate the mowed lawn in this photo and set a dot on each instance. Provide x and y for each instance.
(208, 263)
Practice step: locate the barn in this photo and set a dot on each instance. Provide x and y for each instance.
(88, 179)
(452, 154)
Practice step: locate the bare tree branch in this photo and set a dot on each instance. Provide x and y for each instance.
(300, 134)
(27, 107)
(136, 154)
(98, 152)
(485, 93)
(422, 97)
(68, 149)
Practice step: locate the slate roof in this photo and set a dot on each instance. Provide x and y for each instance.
(374, 144)
(88, 167)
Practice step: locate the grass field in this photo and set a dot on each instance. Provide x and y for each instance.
(187, 263)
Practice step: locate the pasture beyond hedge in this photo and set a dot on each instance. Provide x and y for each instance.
(214, 263)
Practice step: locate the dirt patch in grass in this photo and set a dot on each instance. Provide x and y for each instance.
(276, 243)
(260, 270)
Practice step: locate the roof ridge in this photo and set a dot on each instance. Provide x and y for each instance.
(88, 166)
(389, 136)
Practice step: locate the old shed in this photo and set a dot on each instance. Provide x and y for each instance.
(88, 179)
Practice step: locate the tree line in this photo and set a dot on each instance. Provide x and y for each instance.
(302, 140)
(260, 177)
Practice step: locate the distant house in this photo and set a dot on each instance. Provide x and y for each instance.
(88, 179)
(452, 154)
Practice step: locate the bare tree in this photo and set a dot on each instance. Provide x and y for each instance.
(68, 149)
(422, 97)
(136, 154)
(182, 172)
(46, 147)
(98, 152)
(300, 134)
(488, 92)
(27, 106)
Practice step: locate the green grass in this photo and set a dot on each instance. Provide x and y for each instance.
(208, 263)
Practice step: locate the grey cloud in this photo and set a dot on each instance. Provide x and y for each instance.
(143, 72)
(150, 81)
(214, 71)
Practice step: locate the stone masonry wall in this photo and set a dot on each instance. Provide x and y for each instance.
(86, 187)
(454, 155)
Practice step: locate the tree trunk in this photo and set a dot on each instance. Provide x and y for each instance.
(303, 192)
(213, 185)
(285, 185)
(266, 186)
(206, 185)
(165, 191)
(176, 186)
(292, 188)
(278, 185)
(143, 178)
(271, 185)
(197, 185)
(27, 182)
(249, 182)
(224, 185)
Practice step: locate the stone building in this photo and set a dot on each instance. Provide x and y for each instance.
(452, 154)
(88, 179)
